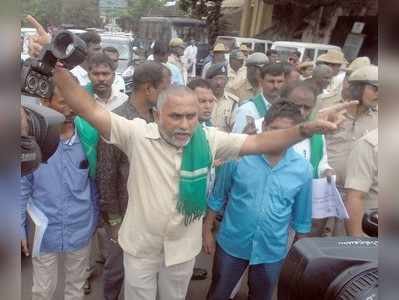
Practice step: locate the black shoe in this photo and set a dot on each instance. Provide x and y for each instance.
(199, 274)
(87, 287)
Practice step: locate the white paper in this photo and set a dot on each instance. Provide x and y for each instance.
(41, 221)
(327, 201)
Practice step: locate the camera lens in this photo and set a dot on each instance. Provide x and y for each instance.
(32, 82)
(44, 86)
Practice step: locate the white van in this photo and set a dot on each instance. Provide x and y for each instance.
(231, 42)
(309, 51)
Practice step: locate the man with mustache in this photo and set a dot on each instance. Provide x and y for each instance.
(272, 79)
(112, 171)
(162, 230)
(223, 114)
(102, 76)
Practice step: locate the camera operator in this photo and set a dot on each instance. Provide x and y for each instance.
(61, 185)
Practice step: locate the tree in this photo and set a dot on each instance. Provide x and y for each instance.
(140, 8)
(291, 17)
(81, 13)
(210, 11)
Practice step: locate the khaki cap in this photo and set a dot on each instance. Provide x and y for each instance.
(358, 63)
(366, 74)
(176, 42)
(333, 57)
(305, 65)
(219, 47)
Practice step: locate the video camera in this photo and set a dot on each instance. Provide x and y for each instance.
(66, 48)
(41, 138)
(343, 268)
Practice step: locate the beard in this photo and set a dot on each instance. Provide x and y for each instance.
(172, 140)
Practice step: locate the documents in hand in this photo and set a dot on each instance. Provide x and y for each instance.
(327, 201)
(40, 220)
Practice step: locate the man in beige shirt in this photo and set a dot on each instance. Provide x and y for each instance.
(159, 247)
(361, 119)
(246, 87)
(362, 181)
(223, 114)
(236, 69)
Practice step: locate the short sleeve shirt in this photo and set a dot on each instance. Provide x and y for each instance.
(340, 144)
(362, 169)
(152, 225)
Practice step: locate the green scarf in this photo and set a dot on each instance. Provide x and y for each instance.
(195, 165)
(89, 138)
(316, 149)
(260, 105)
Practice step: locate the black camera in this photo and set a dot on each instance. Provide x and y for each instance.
(66, 48)
(343, 268)
(42, 136)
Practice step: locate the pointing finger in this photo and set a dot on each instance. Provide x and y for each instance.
(39, 28)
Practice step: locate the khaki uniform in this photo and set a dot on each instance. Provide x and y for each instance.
(235, 78)
(243, 89)
(362, 169)
(223, 114)
(340, 144)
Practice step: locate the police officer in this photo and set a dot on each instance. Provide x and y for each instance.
(361, 181)
(223, 112)
(248, 87)
(236, 68)
(360, 120)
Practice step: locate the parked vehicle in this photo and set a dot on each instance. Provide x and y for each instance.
(255, 45)
(25, 33)
(309, 51)
(124, 45)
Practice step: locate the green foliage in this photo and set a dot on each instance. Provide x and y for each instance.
(140, 8)
(82, 13)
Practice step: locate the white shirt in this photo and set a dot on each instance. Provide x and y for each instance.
(119, 83)
(115, 100)
(190, 58)
(303, 148)
(83, 77)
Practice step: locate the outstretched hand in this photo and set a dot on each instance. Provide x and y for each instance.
(38, 40)
(328, 120)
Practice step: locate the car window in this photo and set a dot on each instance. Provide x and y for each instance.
(227, 42)
(260, 47)
(309, 54)
(123, 47)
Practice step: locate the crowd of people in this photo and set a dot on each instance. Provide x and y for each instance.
(221, 163)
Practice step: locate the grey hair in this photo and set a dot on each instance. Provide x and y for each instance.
(321, 70)
(173, 90)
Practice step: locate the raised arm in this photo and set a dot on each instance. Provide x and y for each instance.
(327, 121)
(82, 102)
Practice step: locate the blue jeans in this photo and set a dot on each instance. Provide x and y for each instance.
(227, 270)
